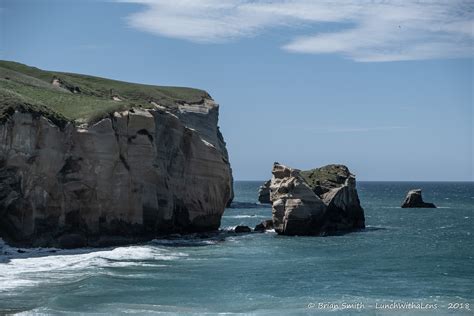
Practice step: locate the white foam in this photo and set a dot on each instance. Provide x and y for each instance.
(184, 242)
(36, 266)
(245, 216)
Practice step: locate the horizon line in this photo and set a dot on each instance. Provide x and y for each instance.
(240, 180)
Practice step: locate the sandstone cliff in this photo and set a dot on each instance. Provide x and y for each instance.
(316, 202)
(115, 163)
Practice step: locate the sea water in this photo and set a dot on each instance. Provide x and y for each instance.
(407, 262)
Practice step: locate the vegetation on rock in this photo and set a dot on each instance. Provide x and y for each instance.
(66, 97)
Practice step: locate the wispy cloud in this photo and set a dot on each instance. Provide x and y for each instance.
(379, 30)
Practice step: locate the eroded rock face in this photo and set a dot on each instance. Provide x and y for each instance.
(415, 200)
(204, 117)
(131, 176)
(299, 209)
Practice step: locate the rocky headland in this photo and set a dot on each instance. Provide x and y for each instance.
(322, 201)
(87, 161)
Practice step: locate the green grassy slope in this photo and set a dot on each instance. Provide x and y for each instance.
(73, 97)
(329, 176)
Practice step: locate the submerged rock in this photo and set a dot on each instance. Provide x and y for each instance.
(328, 205)
(415, 200)
(242, 229)
(264, 193)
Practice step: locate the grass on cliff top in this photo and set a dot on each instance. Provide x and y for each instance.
(11, 101)
(75, 97)
(329, 173)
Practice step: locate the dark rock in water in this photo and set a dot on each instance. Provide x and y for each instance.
(415, 200)
(242, 229)
(264, 193)
(328, 204)
(264, 225)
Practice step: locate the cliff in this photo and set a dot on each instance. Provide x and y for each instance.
(92, 161)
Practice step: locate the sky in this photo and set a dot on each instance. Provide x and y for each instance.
(384, 87)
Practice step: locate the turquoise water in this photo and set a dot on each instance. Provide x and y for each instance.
(418, 256)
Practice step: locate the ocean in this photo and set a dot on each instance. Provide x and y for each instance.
(407, 262)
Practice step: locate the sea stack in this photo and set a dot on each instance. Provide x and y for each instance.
(264, 193)
(415, 200)
(320, 201)
(88, 161)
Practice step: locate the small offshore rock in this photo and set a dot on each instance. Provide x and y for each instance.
(414, 199)
(264, 193)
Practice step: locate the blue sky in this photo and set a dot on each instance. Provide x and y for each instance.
(385, 88)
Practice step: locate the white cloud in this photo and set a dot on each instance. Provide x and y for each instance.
(367, 30)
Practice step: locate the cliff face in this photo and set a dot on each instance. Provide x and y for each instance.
(204, 118)
(129, 176)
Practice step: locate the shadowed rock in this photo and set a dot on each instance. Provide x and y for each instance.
(415, 200)
(264, 193)
(242, 229)
(264, 225)
(328, 205)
